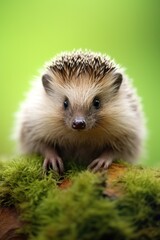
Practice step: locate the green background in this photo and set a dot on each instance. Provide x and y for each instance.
(33, 31)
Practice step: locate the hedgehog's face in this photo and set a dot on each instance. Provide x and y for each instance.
(81, 115)
(82, 101)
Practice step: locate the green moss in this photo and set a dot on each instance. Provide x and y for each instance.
(141, 203)
(82, 210)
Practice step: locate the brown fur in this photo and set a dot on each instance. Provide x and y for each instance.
(60, 118)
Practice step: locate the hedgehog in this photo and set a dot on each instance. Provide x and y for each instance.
(82, 107)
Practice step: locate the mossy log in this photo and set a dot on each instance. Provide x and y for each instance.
(122, 203)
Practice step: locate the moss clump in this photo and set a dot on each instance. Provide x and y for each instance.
(78, 205)
(141, 202)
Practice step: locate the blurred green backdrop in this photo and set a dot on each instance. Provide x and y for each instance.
(33, 31)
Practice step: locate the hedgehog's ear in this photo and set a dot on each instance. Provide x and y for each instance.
(46, 81)
(117, 81)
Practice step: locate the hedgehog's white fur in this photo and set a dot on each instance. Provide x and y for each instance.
(41, 121)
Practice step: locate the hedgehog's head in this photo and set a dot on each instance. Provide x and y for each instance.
(82, 83)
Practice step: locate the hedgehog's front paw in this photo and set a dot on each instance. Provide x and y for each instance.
(101, 163)
(53, 161)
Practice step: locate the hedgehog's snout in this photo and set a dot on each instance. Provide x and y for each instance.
(79, 123)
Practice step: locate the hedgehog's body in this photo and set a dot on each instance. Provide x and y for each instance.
(84, 109)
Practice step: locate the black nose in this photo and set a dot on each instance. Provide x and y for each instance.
(79, 123)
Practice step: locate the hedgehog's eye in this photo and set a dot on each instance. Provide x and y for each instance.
(96, 102)
(65, 103)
